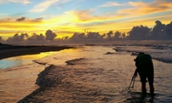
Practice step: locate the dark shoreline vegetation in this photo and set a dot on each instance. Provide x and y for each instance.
(7, 50)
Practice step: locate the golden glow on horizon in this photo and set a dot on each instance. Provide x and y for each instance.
(83, 20)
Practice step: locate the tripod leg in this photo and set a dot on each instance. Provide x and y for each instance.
(133, 82)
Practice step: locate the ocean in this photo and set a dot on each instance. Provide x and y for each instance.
(109, 70)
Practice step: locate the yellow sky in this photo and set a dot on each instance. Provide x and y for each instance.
(70, 21)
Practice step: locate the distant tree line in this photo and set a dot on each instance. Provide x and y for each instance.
(158, 32)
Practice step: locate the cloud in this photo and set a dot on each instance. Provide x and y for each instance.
(148, 8)
(21, 24)
(21, 1)
(18, 37)
(46, 4)
(50, 35)
(138, 4)
(3, 1)
(43, 5)
(62, 2)
(16, 1)
(139, 33)
(82, 15)
(13, 20)
(36, 37)
(110, 4)
(87, 16)
(21, 19)
(37, 19)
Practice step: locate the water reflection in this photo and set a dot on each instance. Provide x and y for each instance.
(20, 60)
(137, 97)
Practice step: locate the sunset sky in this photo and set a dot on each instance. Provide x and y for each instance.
(65, 17)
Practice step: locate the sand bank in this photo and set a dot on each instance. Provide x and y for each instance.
(12, 50)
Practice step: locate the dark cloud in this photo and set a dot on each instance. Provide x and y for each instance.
(139, 33)
(18, 37)
(21, 19)
(36, 37)
(109, 35)
(50, 35)
(117, 35)
(93, 36)
(38, 19)
(78, 36)
(159, 31)
(114, 36)
(168, 30)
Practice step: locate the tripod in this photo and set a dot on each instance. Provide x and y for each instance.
(132, 80)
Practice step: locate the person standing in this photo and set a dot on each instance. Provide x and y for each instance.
(145, 69)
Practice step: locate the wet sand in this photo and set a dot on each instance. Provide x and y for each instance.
(94, 75)
(80, 81)
(17, 82)
(73, 85)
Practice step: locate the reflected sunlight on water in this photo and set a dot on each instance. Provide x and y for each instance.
(102, 69)
(21, 60)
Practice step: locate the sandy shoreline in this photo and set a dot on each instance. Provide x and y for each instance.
(17, 82)
(68, 85)
(11, 50)
(78, 82)
(92, 75)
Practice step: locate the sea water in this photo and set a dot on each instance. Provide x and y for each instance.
(117, 63)
(21, 60)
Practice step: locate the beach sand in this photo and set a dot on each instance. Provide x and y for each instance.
(91, 75)
(74, 85)
(82, 80)
(17, 82)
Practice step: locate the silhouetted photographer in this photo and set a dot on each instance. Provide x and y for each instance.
(145, 69)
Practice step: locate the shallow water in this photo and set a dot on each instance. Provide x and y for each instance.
(21, 60)
(110, 73)
(118, 68)
(18, 75)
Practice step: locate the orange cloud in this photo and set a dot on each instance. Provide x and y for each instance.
(142, 8)
(22, 24)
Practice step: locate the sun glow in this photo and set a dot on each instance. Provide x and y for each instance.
(70, 17)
